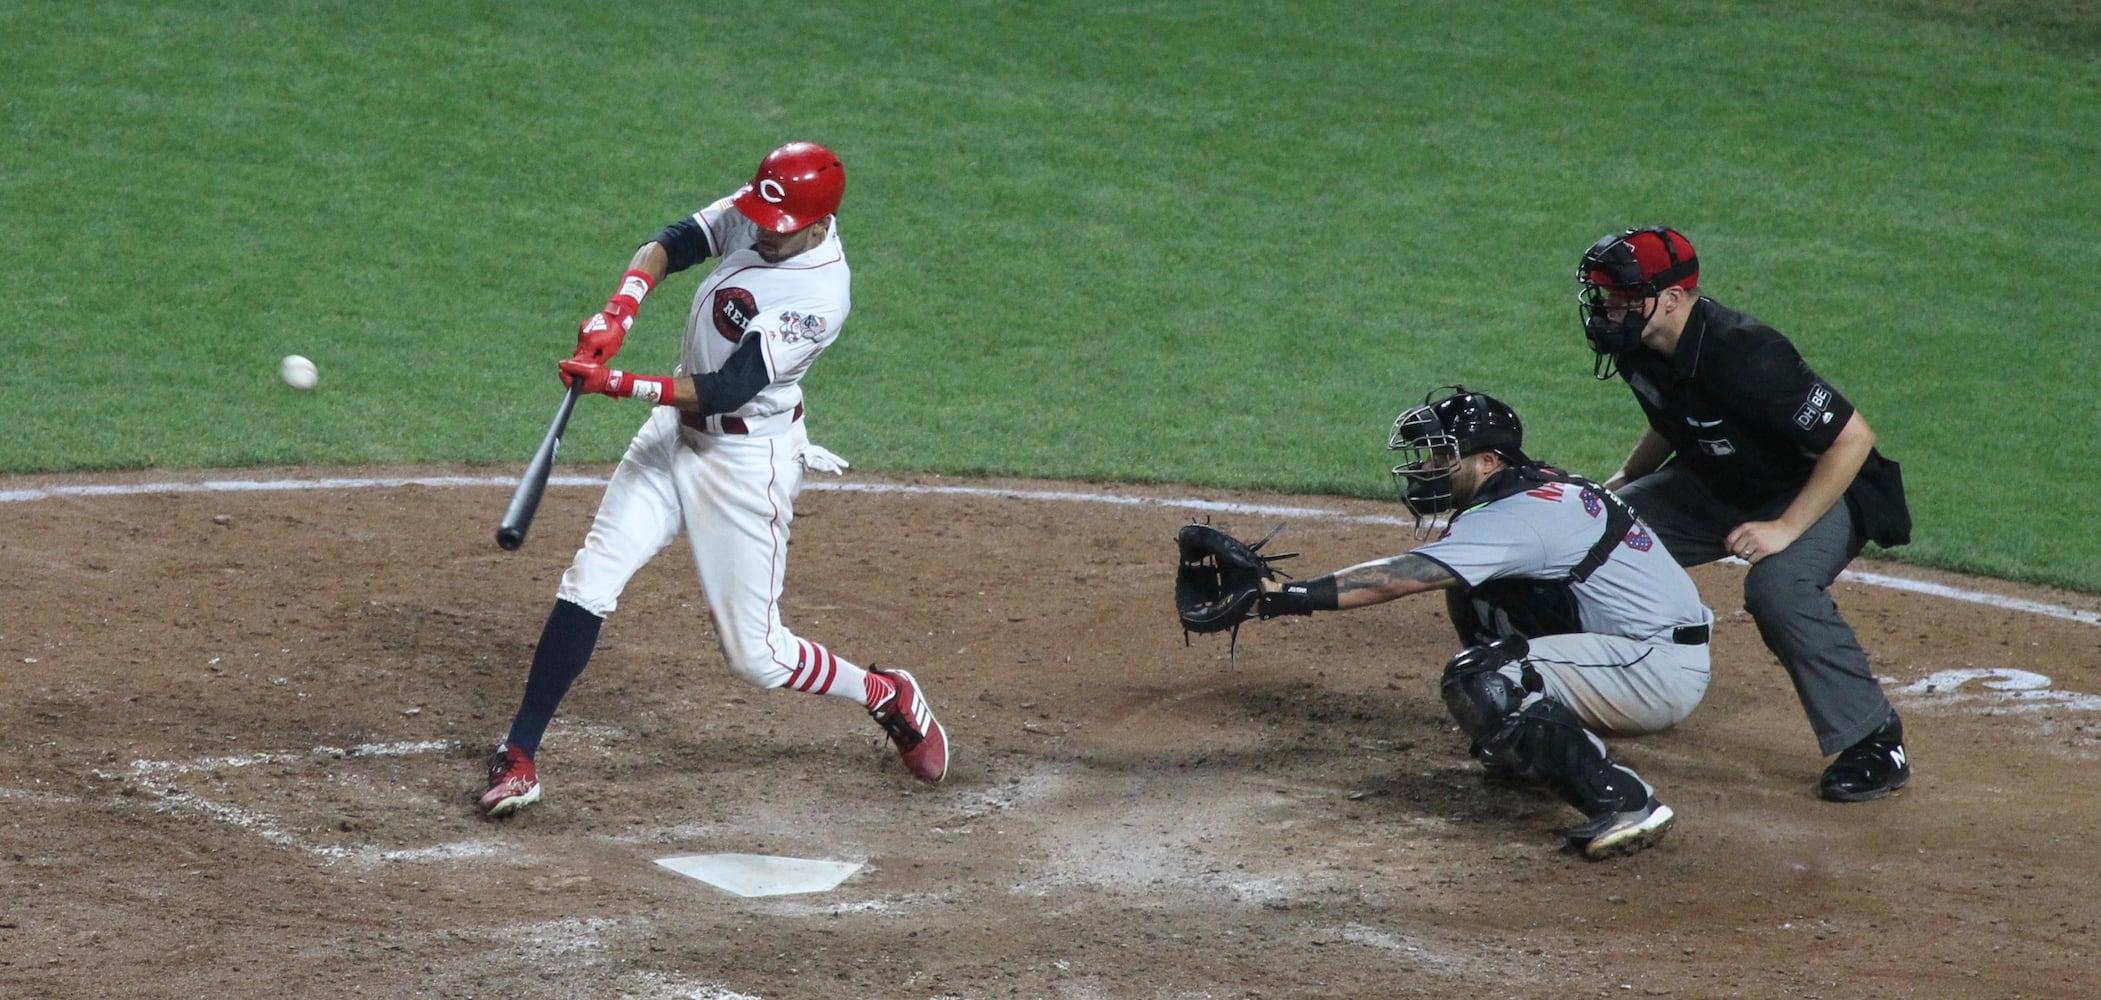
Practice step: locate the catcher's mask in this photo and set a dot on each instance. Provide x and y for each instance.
(797, 184)
(1445, 430)
(1620, 277)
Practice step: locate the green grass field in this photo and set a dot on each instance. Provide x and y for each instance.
(1220, 244)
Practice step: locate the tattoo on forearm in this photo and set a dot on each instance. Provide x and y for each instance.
(1382, 575)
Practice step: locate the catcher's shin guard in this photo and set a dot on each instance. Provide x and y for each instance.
(1547, 743)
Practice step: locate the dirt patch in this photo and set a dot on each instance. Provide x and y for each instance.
(241, 734)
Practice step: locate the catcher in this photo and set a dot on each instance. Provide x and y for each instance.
(1575, 620)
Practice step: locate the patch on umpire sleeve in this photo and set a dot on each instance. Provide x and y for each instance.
(1816, 409)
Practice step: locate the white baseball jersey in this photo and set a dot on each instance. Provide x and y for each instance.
(797, 305)
(728, 485)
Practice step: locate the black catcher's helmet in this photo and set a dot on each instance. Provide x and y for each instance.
(1459, 424)
(1619, 273)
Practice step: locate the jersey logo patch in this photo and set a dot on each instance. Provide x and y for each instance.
(797, 326)
(1718, 447)
(1639, 539)
(733, 313)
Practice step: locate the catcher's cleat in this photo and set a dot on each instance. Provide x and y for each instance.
(911, 724)
(514, 783)
(1869, 769)
(1622, 833)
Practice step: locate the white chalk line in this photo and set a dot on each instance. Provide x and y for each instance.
(1958, 594)
(37, 795)
(2006, 688)
(265, 826)
(158, 768)
(1076, 496)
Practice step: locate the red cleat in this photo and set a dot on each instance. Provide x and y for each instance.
(911, 724)
(514, 783)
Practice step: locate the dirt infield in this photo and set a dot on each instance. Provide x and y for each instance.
(241, 735)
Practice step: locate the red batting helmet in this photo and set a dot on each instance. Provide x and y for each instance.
(797, 184)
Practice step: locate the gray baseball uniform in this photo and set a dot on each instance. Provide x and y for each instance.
(1625, 647)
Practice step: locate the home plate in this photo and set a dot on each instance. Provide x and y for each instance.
(760, 874)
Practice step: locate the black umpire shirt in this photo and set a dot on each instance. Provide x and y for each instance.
(1738, 405)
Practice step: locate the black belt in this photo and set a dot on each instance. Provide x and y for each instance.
(1690, 635)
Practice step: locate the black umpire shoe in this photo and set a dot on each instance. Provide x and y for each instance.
(1871, 768)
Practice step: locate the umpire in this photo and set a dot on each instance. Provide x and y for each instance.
(1748, 452)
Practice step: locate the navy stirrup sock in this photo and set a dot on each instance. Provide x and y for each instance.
(566, 642)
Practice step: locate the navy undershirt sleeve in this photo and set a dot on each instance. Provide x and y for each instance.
(738, 381)
(685, 242)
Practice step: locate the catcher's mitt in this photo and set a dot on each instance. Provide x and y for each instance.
(1219, 582)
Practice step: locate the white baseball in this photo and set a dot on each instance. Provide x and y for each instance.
(298, 372)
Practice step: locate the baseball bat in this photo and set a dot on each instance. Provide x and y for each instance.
(525, 501)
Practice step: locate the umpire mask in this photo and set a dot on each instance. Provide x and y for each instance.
(1619, 279)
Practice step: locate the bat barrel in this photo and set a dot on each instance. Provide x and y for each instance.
(525, 500)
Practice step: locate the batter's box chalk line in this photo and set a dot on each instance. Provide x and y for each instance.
(152, 776)
(2065, 720)
(2002, 688)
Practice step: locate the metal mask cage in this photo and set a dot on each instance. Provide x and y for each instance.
(1609, 337)
(1419, 436)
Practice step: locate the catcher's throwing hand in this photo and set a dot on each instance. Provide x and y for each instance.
(1219, 581)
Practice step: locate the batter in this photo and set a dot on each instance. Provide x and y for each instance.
(720, 459)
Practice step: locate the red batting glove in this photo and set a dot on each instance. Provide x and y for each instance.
(599, 337)
(615, 383)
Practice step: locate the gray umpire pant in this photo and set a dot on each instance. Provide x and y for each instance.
(1788, 594)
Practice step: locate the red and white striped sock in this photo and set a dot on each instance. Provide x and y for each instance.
(819, 671)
